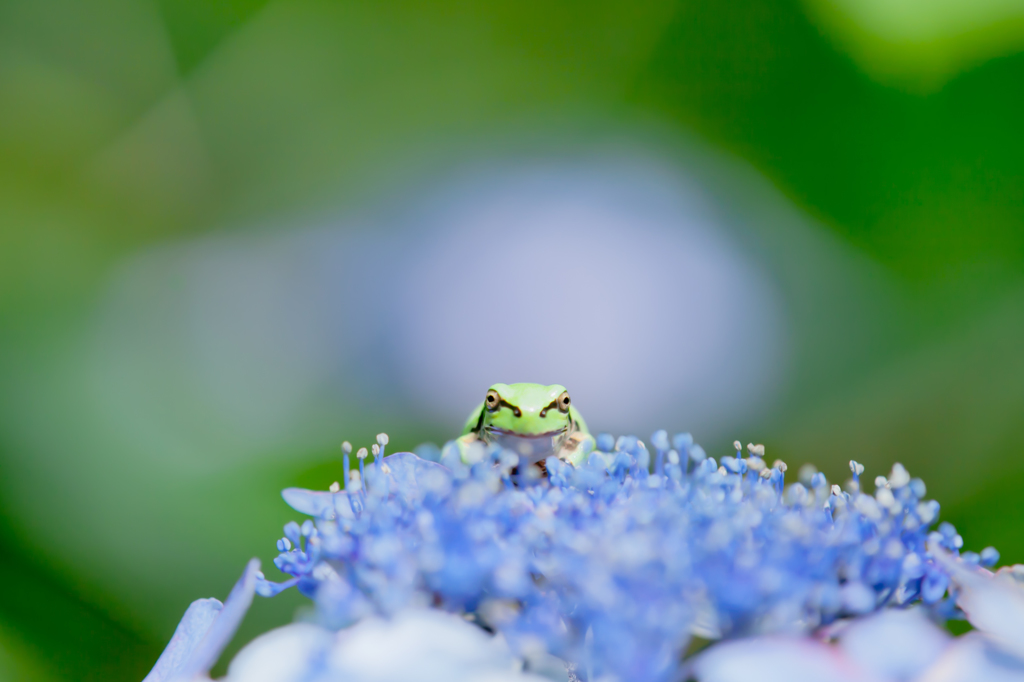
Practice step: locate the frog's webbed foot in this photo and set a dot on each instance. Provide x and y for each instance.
(577, 448)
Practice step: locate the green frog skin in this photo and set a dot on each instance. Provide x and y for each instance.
(532, 420)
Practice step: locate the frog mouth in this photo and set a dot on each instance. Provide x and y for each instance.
(502, 433)
(533, 447)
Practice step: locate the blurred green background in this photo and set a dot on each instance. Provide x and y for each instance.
(867, 156)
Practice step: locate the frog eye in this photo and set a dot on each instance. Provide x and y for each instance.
(493, 400)
(563, 402)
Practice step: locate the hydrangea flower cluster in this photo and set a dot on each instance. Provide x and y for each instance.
(623, 564)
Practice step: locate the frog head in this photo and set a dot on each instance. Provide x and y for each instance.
(531, 419)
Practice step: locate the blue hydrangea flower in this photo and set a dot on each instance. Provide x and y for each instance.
(894, 645)
(620, 568)
(618, 564)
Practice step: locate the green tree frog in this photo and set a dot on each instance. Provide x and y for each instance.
(532, 420)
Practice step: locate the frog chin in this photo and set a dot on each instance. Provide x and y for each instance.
(530, 447)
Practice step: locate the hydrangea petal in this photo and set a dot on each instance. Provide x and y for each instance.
(411, 477)
(416, 644)
(190, 632)
(777, 659)
(285, 654)
(320, 504)
(435, 646)
(993, 604)
(223, 627)
(895, 644)
(405, 476)
(971, 658)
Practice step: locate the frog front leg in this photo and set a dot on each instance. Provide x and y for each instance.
(577, 448)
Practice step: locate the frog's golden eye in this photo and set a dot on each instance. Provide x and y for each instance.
(493, 400)
(563, 402)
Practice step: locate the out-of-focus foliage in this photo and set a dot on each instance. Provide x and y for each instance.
(931, 185)
(132, 129)
(917, 43)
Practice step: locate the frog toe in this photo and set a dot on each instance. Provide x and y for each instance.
(577, 448)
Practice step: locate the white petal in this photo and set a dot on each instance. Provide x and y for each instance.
(421, 645)
(777, 659)
(281, 655)
(973, 659)
(994, 604)
(894, 644)
(414, 646)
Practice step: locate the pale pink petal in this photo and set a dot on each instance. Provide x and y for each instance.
(971, 658)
